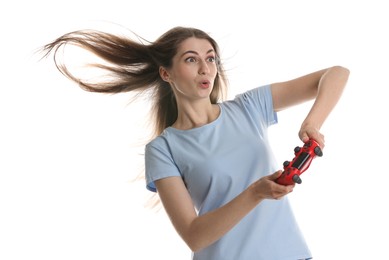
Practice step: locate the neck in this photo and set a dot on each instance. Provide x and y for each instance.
(196, 115)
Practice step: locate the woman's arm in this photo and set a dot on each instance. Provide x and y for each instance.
(325, 86)
(201, 231)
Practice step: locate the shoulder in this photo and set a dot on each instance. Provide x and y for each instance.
(160, 142)
(256, 94)
(258, 97)
(257, 103)
(261, 92)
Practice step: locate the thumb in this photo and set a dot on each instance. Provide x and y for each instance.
(275, 175)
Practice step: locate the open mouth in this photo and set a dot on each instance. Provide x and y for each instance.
(205, 84)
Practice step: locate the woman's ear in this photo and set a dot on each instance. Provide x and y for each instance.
(164, 74)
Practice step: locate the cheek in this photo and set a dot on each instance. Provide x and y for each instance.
(214, 71)
(184, 74)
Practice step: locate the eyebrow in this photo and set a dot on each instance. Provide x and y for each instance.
(194, 52)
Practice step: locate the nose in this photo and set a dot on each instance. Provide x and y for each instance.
(204, 68)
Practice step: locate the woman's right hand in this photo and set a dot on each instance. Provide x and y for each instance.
(267, 188)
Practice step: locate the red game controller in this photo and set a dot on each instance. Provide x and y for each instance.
(300, 163)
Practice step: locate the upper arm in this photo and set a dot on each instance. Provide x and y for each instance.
(177, 203)
(295, 91)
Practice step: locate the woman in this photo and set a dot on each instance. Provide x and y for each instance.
(210, 160)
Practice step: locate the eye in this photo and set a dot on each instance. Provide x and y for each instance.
(211, 59)
(190, 59)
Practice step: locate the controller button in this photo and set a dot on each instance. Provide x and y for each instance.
(318, 151)
(297, 179)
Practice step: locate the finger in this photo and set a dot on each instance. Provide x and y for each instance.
(290, 188)
(319, 138)
(304, 137)
(322, 141)
(285, 191)
(275, 175)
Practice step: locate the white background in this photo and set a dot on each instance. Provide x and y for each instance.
(68, 157)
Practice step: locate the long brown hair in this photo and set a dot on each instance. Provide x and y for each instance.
(134, 66)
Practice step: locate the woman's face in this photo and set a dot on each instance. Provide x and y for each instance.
(194, 70)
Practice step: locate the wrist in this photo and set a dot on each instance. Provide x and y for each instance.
(255, 193)
(308, 123)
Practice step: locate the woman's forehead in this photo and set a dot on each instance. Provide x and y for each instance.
(200, 46)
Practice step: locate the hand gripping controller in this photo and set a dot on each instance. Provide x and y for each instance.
(300, 163)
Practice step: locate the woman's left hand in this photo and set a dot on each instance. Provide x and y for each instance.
(308, 131)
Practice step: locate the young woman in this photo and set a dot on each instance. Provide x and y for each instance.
(210, 160)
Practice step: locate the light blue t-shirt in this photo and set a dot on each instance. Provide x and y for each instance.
(217, 162)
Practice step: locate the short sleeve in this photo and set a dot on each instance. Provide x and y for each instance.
(159, 163)
(259, 103)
